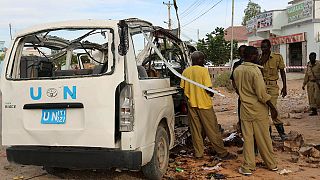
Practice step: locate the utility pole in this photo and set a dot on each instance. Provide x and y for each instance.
(10, 30)
(169, 14)
(198, 34)
(169, 24)
(232, 35)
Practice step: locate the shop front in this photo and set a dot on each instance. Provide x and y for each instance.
(292, 47)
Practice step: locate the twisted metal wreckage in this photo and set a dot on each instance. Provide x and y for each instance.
(154, 35)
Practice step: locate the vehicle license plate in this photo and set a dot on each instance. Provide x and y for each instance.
(53, 116)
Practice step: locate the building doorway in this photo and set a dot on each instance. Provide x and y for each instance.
(295, 56)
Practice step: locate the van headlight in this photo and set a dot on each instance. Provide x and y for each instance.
(126, 109)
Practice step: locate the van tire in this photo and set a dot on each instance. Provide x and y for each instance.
(155, 169)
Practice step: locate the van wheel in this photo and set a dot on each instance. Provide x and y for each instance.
(157, 167)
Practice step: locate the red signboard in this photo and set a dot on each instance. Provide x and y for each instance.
(282, 40)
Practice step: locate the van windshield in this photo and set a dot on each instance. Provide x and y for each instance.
(63, 53)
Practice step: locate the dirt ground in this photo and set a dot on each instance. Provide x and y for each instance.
(293, 110)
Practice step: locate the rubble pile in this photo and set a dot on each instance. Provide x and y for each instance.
(293, 105)
(295, 144)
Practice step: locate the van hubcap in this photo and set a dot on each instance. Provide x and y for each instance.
(162, 153)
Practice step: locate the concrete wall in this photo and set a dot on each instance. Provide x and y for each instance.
(279, 19)
(312, 45)
(317, 9)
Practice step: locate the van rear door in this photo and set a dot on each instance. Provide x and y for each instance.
(49, 100)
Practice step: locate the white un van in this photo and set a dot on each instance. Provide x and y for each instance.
(84, 95)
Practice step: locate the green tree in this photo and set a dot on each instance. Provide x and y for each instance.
(2, 57)
(251, 11)
(216, 48)
(61, 61)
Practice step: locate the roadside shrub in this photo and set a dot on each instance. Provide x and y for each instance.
(223, 80)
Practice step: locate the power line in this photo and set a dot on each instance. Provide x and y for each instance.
(197, 8)
(203, 13)
(185, 11)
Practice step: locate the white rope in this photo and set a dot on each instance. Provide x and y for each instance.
(174, 71)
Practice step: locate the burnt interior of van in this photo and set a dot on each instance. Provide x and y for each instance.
(150, 65)
(65, 53)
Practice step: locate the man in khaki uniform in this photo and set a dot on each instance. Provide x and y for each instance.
(272, 63)
(312, 80)
(254, 112)
(201, 115)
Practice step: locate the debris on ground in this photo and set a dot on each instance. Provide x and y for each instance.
(179, 169)
(294, 159)
(234, 139)
(296, 115)
(213, 176)
(306, 151)
(294, 142)
(215, 168)
(284, 172)
(182, 134)
(313, 160)
(18, 178)
(315, 153)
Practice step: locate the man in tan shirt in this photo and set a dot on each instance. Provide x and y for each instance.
(273, 63)
(312, 80)
(254, 112)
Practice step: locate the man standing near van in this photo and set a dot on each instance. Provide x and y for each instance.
(273, 63)
(312, 80)
(254, 113)
(235, 65)
(201, 115)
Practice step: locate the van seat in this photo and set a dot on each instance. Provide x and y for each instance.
(142, 72)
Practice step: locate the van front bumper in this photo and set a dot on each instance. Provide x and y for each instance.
(75, 157)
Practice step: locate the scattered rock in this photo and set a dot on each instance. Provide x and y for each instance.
(298, 110)
(294, 159)
(285, 116)
(296, 116)
(284, 172)
(315, 153)
(294, 142)
(287, 124)
(8, 167)
(306, 151)
(317, 147)
(313, 160)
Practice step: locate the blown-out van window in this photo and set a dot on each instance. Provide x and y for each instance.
(63, 53)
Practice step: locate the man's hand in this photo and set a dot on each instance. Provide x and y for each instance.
(284, 92)
(274, 113)
(284, 80)
(303, 88)
(211, 94)
(273, 110)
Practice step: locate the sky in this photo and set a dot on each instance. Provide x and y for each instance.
(23, 14)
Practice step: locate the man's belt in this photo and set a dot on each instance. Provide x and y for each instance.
(274, 82)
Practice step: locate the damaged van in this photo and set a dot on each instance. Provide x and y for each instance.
(87, 95)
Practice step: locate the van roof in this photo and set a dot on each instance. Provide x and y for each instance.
(89, 23)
